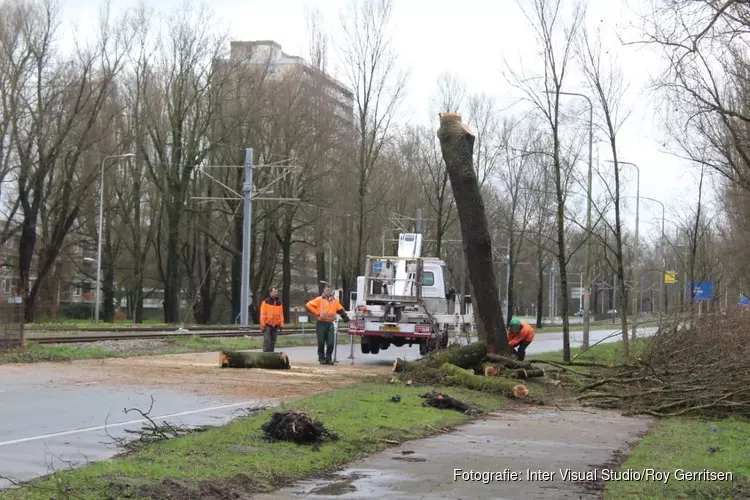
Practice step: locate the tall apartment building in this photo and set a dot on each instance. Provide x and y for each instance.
(279, 63)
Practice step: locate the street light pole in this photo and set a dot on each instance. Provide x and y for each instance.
(637, 252)
(587, 290)
(99, 242)
(663, 259)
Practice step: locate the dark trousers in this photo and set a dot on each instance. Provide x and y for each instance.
(521, 350)
(269, 338)
(324, 332)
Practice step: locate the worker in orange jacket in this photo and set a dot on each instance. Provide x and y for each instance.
(325, 308)
(271, 319)
(520, 335)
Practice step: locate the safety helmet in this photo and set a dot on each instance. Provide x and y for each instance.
(515, 325)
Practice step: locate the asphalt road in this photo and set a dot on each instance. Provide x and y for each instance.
(47, 425)
(543, 342)
(44, 427)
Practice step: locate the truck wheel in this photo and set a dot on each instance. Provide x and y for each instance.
(375, 347)
(384, 344)
(365, 346)
(424, 348)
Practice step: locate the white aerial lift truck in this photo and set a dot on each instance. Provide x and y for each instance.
(402, 300)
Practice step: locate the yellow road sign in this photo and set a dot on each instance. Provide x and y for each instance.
(670, 277)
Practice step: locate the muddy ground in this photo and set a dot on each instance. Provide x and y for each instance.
(200, 373)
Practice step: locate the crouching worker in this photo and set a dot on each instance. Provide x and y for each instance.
(325, 308)
(520, 335)
(271, 319)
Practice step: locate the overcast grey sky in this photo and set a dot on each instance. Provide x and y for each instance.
(482, 35)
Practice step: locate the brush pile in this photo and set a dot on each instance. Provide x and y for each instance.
(699, 367)
(297, 427)
(699, 370)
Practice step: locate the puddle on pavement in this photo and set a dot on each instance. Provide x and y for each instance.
(339, 487)
(356, 483)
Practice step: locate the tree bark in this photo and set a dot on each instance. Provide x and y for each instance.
(266, 360)
(540, 289)
(457, 145)
(286, 272)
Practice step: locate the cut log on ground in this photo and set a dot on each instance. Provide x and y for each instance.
(266, 360)
(467, 356)
(508, 362)
(495, 385)
(489, 369)
(457, 146)
(443, 401)
(524, 373)
(297, 427)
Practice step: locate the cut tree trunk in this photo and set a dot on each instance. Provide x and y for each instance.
(496, 385)
(457, 145)
(267, 360)
(524, 373)
(508, 362)
(467, 356)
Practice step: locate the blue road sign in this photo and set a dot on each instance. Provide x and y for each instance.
(701, 290)
(744, 301)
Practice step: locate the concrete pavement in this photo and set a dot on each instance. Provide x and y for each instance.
(518, 454)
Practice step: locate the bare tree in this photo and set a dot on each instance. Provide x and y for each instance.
(56, 121)
(182, 95)
(544, 16)
(370, 65)
(607, 87)
(450, 93)
(519, 178)
(484, 119)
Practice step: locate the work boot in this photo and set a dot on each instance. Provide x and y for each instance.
(329, 361)
(322, 361)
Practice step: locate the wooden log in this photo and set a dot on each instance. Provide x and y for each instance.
(466, 356)
(488, 369)
(510, 363)
(494, 385)
(524, 373)
(266, 360)
(457, 147)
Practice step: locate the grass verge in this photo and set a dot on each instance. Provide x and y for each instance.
(608, 353)
(689, 445)
(33, 352)
(236, 457)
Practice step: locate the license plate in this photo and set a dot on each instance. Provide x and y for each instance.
(390, 328)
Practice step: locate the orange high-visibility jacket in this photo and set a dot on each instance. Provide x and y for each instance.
(271, 313)
(525, 335)
(325, 309)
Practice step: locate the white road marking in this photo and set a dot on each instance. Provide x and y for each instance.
(121, 424)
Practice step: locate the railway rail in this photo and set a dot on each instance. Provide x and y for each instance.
(158, 335)
(138, 329)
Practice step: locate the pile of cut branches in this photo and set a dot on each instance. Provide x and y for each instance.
(297, 427)
(700, 370)
(470, 366)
